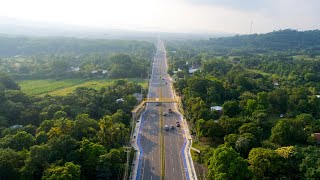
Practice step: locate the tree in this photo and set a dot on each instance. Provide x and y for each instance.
(19, 141)
(281, 133)
(62, 147)
(251, 106)
(264, 163)
(310, 163)
(288, 131)
(10, 163)
(68, 171)
(200, 127)
(230, 125)
(110, 163)
(60, 114)
(279, 100)
(292, 157)
(88, 154)
(231, 108)
(85, 127)
(112, 134)
(226, 163)
(231, 139)
(251, 128)
(39, 157)
(6, 82)
(214, 129)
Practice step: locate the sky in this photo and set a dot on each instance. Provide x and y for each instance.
(184, 16)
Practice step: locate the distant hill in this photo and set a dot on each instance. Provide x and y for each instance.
(277, 41)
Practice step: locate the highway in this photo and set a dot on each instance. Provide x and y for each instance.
(162, 150)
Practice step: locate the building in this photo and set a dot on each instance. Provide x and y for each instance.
(75, 69)
(175, 72)
(216, 108)
(276, 83)
(120, 100)
(317, 137)
(193, 70)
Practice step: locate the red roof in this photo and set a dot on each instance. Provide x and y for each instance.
(317, 136)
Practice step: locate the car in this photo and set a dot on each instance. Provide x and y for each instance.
(172, 127)
(178, 124)
(157, 104)
(164, 114)
(170, 111)
(166, 127)
(166, 83)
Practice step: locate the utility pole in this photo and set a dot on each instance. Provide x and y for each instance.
(127, 150)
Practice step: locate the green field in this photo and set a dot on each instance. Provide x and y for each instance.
(66, 86)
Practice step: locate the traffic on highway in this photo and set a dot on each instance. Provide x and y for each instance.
(161, 140)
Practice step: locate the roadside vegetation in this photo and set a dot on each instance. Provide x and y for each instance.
(65, 106)
(268, 87)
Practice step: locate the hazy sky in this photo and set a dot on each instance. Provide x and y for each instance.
(171, 15)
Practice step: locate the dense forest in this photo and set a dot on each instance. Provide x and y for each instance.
(270, 99)
(288, 40)
(77, 136)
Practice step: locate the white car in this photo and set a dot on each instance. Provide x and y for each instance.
(166, 127)
(164, 114)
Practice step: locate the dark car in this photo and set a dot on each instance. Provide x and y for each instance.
(178, 124)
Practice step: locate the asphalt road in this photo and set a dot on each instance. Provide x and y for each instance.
(151, 132)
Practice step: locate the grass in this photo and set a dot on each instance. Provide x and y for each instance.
(66, 86)
(38, 87)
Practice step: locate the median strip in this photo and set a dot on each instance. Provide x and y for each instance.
(161, 136)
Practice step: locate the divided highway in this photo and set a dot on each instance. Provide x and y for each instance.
(162, 151)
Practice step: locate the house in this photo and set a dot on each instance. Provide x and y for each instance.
(317, 137)
(193, 70)
(175, 72)
(75, 69)
(216, 108)
(94, 72)
(276, 83)
(104, 71)
(120, 100)
(16, 126)
(318, 95)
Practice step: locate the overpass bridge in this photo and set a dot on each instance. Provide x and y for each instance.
(137, 110)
